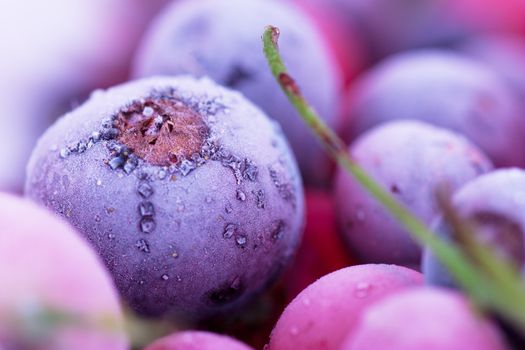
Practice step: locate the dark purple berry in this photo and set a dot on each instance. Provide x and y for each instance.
(412, 159)
(181, 201)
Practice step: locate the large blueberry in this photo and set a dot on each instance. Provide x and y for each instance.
(187, 190)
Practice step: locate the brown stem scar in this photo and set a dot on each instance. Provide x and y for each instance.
(161, 131)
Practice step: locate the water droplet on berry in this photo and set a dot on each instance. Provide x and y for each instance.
(145, 190)
(64, 152)
(362, 289)
(142, 245)
(241, 240)
(146, 209)
(147, 111)
(241, 195)
(162, 174)
(229, 230)
(147, 225)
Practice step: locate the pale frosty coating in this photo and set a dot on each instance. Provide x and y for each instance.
(193, 239)
(411, 160)
(46, 267)
(321, 316)
(496, 204)
(197, 340)
(222, 39)
(448, 90)
(424, 318)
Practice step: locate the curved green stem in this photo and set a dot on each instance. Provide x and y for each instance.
(475, 280)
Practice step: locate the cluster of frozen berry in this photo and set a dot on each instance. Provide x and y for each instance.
(191, 192)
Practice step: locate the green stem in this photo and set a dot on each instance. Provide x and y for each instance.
(472, 279)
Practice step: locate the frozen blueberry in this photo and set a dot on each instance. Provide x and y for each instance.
(158, 194)
(448, 90)
(222, 39)
(495, 204)
(410, 159)
(56, 293)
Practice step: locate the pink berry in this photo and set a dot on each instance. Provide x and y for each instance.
(423, 318)
(45, 267)
(322, 315)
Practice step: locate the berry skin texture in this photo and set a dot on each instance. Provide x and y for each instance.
(494, 203)
(197, 340)
(447, 90)
(202, 38)
(411, 159)
(188, 192)
(423, 318)
(321, 316)
(46, 266)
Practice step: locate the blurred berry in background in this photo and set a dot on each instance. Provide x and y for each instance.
(54, 54)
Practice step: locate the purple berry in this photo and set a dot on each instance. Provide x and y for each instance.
(411, 159)
(180, 187)
(447, 90)
(505, 54)
(222, 39)
(494, 203)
